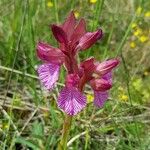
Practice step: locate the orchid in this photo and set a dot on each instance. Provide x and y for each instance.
(73, 38)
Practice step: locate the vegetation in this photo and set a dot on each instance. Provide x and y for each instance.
(29, 117)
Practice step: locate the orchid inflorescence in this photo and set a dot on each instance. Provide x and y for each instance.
(73, 38)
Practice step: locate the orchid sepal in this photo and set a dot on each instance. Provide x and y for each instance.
(47, 53)
(59, 34)
(88, 39)
(106, 66)
(100, 84)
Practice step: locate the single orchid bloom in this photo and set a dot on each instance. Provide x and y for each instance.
(72, 38)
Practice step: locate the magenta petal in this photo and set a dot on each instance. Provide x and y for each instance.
(100, 98)
(50, 54)
(79, 31)
(48, 74)
(59, 34)
(72, 80)
(106, 66)
(89, 39)
(69, 25)
(71, 101)
(88, 65)
(108, 77)
(100, 84)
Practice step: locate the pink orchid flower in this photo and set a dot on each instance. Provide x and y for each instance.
(73, 38)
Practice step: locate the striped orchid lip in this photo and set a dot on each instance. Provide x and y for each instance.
(72, 38)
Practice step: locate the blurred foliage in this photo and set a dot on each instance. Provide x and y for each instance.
(30, 118)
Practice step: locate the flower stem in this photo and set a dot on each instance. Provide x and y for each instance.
(65, 133)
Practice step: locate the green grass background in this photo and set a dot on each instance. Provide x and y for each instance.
(29, 118)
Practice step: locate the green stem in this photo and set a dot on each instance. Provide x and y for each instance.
(65, 133)
(56, 10)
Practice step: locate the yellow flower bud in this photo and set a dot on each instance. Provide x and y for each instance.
(50, 4)
(147, 14)
(90, 98)
(93, 1)
(137, 32)
(132, 45)
(76, 14)
(123, 97)
(143, 38)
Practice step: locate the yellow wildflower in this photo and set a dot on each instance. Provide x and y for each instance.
(76, 13)
(50, 4)
(139, 10)
(147, 14)
(132, 45)
(137, 32)
(143, 38)
(133, 25)
(123, 97)
(90, 98)
(93, 1)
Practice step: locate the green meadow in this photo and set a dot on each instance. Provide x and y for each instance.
(29, 116)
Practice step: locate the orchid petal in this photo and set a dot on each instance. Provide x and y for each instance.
(88, 39)
(72, 80)
(100, 84)
(71, 101)
(48, 74)
(108, 77)
(59, 34)
(100, 98)
(88, 65)
(87, 68)
(50, 54)
(106, 66)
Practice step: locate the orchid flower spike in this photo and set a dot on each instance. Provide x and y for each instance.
(73, 38)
